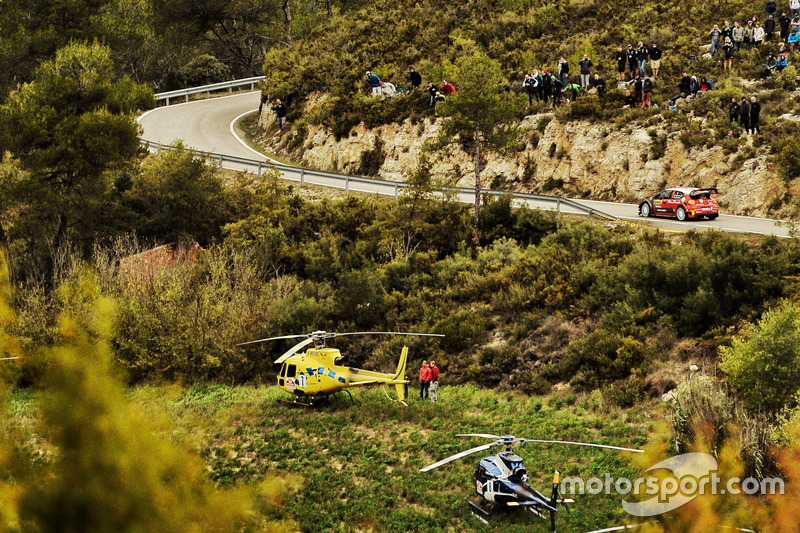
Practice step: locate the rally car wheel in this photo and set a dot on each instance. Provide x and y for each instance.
(712, 217)
(645, 211)
(680, 214)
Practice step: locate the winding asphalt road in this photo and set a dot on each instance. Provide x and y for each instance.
(209, 126)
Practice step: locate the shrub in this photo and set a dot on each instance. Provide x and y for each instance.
(764, 365)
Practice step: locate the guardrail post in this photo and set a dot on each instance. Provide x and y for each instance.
(187, 97)
(396, 191)
(347, 185)
(302, 176)
(208, 94)
(259, 169)
(558, 206)
(167, 100)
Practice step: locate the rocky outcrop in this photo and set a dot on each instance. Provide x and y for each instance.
(578, 159)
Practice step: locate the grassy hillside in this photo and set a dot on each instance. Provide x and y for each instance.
(359, 465)
(389, 37)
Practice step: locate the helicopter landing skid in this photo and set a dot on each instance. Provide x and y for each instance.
(295, 402)
(482, 514)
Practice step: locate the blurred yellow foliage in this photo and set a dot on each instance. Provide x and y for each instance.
(112, 469)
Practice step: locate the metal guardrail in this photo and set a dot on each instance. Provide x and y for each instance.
(258, 167)
(208, 89)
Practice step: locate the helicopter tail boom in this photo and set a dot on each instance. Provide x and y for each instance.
(400, 375)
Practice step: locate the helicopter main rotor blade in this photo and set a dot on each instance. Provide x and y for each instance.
(458, 456)
(388, 333)
(294, 350)
(583, 444)
(484, 435)
(273, 339)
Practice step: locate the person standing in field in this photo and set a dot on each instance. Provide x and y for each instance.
(434, 382)
(424, 380)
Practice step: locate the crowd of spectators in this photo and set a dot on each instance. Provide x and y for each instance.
(638, 67)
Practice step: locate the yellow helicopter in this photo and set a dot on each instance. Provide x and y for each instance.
(316, 373)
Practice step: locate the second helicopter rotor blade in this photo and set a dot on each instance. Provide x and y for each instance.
(458, 456)
(484, 435)
(291, 351)
(273, 339)
(584, 444)
(388, 333)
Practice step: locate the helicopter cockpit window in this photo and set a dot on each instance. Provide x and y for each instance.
(291, 371)
(493, 469)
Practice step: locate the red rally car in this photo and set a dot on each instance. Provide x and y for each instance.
(682, 203)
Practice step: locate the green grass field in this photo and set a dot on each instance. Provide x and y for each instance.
(359, 464)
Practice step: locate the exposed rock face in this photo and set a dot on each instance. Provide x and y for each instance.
(577, 159)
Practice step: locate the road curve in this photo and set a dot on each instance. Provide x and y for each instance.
(208, 126)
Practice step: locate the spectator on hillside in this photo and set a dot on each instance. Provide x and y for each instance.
(794, 6)
(637, 90)
(737, 35)
(755, 115)
(556, 88)
(586, 71)
(547, 85)
(695, 86)
(771, 7)
(770, 65)
(793, 40)
(632, 63)
(655, 59)
(629, 101)
(447, 88)
(414, 78)
(705, 85)
(280, 112)
(621, 59)
(572, 91)
(375, 82)
(685, 85)
(727, 53)
(715, 35)
(733, 111)
(563, 71)
(537, 84)
(783, 23)
(599, 84)
(642, 55)
(758, 35)
(781, 63)
(727, 31)
(748, 35)
(433, 92)
(769, 27)
(527, 86)
(647, 91)
(744, 114)
(794, 24)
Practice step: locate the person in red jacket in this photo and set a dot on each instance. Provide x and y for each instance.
(434, 381)
(424, 380)
(447, 88)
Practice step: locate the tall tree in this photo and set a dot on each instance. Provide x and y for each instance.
(480, 113)
(239, 31)
(69, 129)
(34, 29)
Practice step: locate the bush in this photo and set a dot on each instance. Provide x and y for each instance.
(764, 365)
